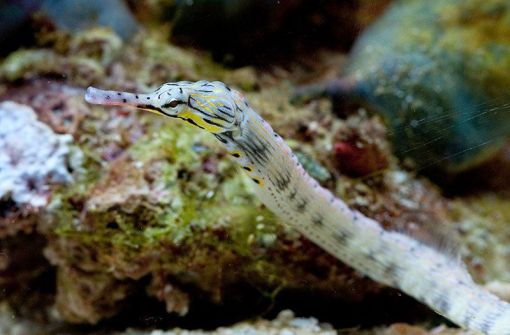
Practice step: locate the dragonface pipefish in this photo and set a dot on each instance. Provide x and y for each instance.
(388, 257)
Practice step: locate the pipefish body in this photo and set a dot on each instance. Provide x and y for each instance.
(388, 257)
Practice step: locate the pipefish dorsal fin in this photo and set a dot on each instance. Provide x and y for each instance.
(434, 229)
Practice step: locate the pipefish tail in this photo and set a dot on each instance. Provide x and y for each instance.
(391, 258)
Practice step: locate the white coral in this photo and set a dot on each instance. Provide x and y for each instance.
(31, 156)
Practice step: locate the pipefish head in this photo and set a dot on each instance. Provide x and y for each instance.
(212, 106)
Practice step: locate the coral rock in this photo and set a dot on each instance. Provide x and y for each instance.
(31, 156)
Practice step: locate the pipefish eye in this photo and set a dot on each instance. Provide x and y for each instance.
(172, 104)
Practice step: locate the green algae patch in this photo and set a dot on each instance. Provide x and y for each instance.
(160, 186)
(170, 203)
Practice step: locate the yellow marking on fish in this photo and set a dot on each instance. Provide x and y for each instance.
(235, 154)
(199, 121)
(152, 111)
(258, 181)
(208, 98)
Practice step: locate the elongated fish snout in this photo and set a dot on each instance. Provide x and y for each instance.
(111, 98)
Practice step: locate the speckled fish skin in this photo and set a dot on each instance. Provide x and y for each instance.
(438, 72)
(283, 186)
